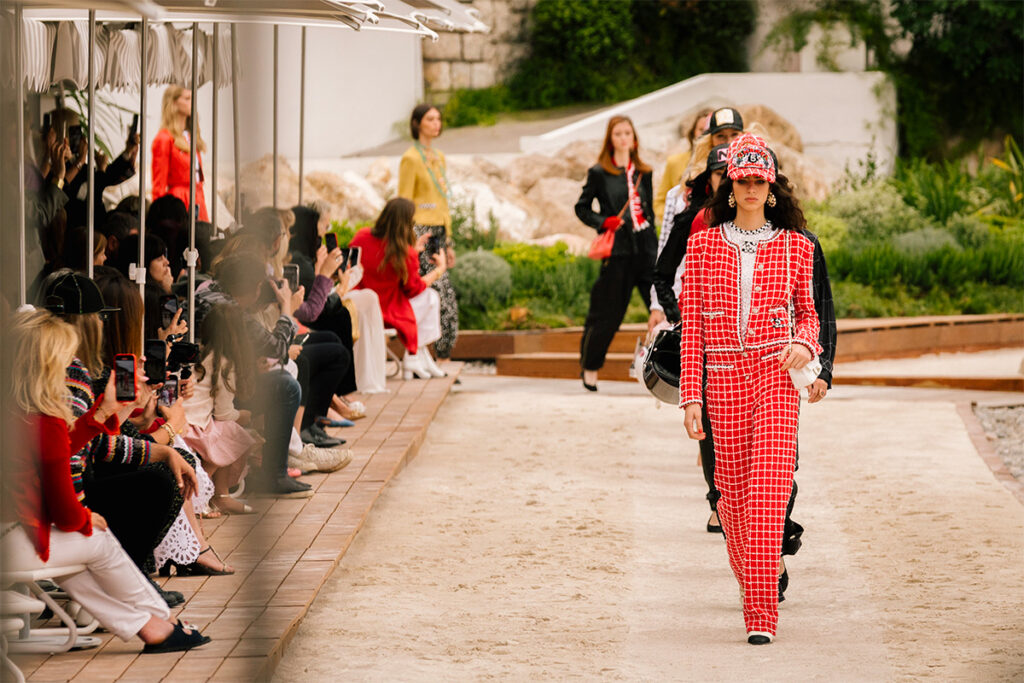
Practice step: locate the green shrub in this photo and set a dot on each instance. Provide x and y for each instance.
(924, 240)
(476, 107)
(467, 233)
(346, 231)
(483, 282)
(875, 212)
(831, 231)
(938, 190)
(969, 230)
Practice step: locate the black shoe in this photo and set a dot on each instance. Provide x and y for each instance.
(758, 638)
(181, 639)
(783, 584)
(714, 528)
(316, 435)
(588, 387)
(172, 598)
(791, 538)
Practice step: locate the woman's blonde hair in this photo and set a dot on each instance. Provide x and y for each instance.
(169, 120)
(44, 346)
(89, 332)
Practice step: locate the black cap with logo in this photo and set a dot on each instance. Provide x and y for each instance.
(723, 118)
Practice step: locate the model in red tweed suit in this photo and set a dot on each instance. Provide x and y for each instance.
(744, 330)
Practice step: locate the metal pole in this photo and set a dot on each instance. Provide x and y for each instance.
(234, 116)
(91, 199)
(192, 209)
(140, 272)
(19, 91)
(274, 195)
(213, 133)
(302, 114)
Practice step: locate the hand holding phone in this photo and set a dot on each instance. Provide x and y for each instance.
(155, 366)
(354, 254)
(125, 381)
(169, 392)
(291, 275)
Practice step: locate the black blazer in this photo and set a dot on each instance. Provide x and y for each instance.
(611, 193)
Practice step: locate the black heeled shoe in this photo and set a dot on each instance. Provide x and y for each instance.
(714, 528)
(588, 387)
(760, 638)
(783, 583)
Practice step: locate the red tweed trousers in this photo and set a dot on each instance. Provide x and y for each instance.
(753, 408)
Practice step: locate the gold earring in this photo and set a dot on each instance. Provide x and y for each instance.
(771, 199)
(732, 200)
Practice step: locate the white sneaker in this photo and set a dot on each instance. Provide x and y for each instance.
(313, 459)
(429, 363)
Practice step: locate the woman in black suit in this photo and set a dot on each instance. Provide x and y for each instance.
(621, 183)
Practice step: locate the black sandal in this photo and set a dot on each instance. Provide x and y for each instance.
(197, 569)
(181, 639)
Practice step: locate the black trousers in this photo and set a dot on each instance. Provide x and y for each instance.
(322, 365)
(336, 318)
(139, 503)
(792, 531)
(609, 300)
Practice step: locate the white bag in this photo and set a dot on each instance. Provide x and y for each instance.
(805, 376)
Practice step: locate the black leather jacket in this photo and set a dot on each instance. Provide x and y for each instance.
(610, 190)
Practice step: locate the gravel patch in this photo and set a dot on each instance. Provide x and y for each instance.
(1005, 424)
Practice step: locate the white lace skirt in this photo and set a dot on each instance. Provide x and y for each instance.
(181, 544)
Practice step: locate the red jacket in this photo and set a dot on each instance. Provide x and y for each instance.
(40, 489)
(394, 296)
(710, 302)
(170, 172)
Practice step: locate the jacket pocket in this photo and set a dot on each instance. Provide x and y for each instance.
(778, 318)
(712, 314)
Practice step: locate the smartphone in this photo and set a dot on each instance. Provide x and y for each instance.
(74, 137)
(156, 361)
(46, 121)
(63, 131)
(291, 274)
(353, 256)
(168, 392)
(344, 259)
(331, 241)
(182, 353)
(168, 307)
(135, 124)
(434, 245)
(125, 386)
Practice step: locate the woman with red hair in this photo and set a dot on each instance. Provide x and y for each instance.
(621, 183)
(171, 150)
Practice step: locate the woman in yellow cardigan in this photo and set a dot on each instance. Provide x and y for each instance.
(422, 178)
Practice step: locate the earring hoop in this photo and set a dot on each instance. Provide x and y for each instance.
(771, 199)
(732, 200)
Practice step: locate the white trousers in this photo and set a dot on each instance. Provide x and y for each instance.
(426, 306)
(370, 353)
(112, 588)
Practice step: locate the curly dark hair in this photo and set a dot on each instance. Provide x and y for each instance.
(786, 214)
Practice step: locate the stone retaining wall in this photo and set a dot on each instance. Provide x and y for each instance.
(477, 60)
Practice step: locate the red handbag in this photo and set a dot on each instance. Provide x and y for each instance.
(601, 247)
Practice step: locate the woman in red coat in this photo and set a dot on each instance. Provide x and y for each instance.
(390, 259)
(743, 277)
(171, 150)
(44, 524)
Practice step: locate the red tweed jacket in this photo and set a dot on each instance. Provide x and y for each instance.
(710, 301)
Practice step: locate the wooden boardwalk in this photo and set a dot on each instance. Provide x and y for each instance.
(282, 556)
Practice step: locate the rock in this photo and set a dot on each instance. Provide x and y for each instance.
(380, 176)
(580, 156)
(781, 131)
(488, 199)
(353, 195)
(811, 178)
(257, 181)
(490, 169)
(524, 171)
(556, 198)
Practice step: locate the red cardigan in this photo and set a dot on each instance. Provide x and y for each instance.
(42, 494)
(394, 296)
(170, 172)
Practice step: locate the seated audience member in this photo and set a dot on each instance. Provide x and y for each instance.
(391, 269)
(44, 521)
(308, 252)
(158, 267)
(217, 429)
(116, 229)
(238, 280)
(184, 545)
(167, 218)
(76, 253)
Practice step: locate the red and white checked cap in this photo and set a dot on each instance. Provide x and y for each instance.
(749, 156)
